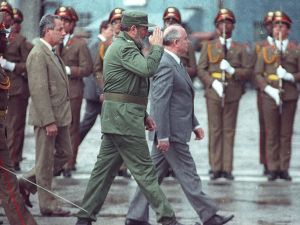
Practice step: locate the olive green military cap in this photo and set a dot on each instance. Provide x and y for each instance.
(135, 18)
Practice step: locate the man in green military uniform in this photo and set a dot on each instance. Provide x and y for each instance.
(123, 120)
(277, 71)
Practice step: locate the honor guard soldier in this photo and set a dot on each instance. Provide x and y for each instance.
(277, 71)
(78, 64)
(115, 17)
(12, 202)
(172, 16)
(269, 41)
(14, 63)
(223, 67)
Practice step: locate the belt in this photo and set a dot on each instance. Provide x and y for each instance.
(3, 113)
(218, 75)
(126, 98)
(273, 77)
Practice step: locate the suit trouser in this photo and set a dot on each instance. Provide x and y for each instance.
(51, 152)
(221, 124)
(262, 130)
(12, 202)
(279, 133)
(92, 110)
(74, 129)
(16, 118)
(180, 160)
(134, 152)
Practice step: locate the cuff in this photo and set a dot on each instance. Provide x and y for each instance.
(10, 66)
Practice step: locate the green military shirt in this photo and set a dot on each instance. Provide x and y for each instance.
(127, 71)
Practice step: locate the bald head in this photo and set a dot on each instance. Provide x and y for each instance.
(175, 39)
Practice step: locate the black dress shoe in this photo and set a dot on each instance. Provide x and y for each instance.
(285, 175)
(1, 222)
(55, 212)
(216, 175)
(67, 173)
(136, 222)
(124, 173)
(227, 175)
(170, 173)
(25, 195)
(57, 173)
(266, 171)
(81, 221)
(17, 166)
(272, 175)
(218, 220)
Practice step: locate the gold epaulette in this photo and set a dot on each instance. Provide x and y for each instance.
(270, 60)
(212, 59)
(101, 51)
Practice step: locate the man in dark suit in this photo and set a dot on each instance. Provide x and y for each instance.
(172, 108)
(12, 202)
(49, 113)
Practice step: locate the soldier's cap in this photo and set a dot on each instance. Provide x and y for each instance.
(73, 12)
(224, 14)
(172, 12)
(64, 12)
(281, 17)
(136, 18)
(268, 18)
(18, 15)
(2, 25)
(6, 7)
(115, 14)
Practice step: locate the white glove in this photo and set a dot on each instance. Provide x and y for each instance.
(218, 87)
(7, 64)
(273, 93)
(283, 74)
(225, 65)
(68, 70)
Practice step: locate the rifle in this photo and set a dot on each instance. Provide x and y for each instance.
(223, 78)
(279, 64)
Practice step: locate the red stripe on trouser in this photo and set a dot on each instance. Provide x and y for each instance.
(11, 194)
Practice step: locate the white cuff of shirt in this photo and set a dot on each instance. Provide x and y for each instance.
(196, 127)
(68, 70)
(163, 139)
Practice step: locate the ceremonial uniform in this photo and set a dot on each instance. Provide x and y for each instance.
(222, 118)
(279, 114)
(12, 202)
(76, 56)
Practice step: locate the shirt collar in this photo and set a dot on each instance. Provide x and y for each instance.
(67, 38)
(282, 45)
(102, 38)
(177, 59)
(46, 43)
(270, 40)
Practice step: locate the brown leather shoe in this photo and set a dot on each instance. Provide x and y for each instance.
(25, 194)
(55, 212)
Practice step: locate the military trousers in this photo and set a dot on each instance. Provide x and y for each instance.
(134, 152)
(12, 202)
(262, 130)
(51, 154)
(221, 125)
(16, 119)
(279, 132)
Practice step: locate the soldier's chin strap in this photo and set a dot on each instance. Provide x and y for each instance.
(50, 192)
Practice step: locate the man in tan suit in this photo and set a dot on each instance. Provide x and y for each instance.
(50, 114)
(17, 213)
(76, 56)
(223, 67)
(277, 71)
(14, 63)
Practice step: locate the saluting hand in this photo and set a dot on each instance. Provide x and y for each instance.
(157, 37)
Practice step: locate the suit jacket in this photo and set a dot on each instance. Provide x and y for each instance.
(49, 88)
(211, 56)
(267, 63)
(76, 55)
(172, 101)
(17, 51)
(126, 71)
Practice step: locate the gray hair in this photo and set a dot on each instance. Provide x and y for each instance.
(171, 33)
(47, 22)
